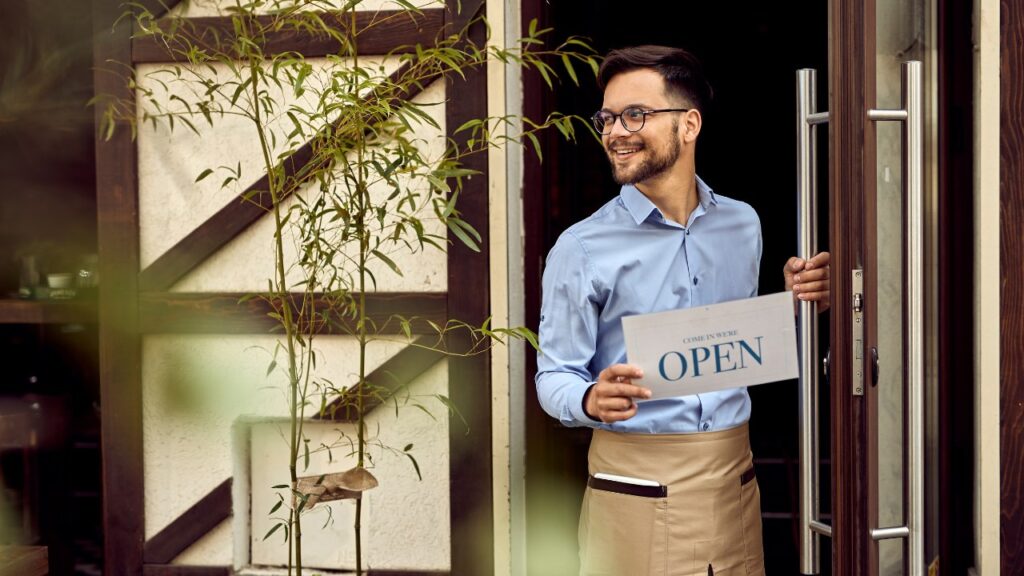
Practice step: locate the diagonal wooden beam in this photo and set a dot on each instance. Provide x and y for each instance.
(392, 31)
(188, 528)
(223, 313)
(390, 377)
(250, 205)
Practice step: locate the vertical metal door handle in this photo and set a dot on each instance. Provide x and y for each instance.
(912, 116)
(807, 321)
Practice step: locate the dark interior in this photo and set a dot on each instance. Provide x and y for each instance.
(50, 492)
(746, 151)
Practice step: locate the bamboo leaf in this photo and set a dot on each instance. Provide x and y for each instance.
(415, 465)
(272, 530)
(462, 236)
(204, 174)
(568, 68)
(536, 145)
(391, 264)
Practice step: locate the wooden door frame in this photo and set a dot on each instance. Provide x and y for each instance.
(852, 180)
(1011, 297)
(851, 139)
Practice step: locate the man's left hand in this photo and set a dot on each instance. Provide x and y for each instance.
(809, 279)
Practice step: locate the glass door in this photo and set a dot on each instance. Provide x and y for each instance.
(881, 382)
(901, 252)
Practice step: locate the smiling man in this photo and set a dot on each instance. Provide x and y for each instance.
(672, 487)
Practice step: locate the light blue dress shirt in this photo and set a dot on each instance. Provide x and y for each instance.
(626, 259)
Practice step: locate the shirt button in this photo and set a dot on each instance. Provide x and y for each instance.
(707, 426)
(695, 280)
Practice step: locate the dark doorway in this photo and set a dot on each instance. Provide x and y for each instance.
(746, 151)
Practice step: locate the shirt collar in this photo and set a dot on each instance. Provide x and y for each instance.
(640, 206)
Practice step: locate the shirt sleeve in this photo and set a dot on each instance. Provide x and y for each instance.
(568, 332)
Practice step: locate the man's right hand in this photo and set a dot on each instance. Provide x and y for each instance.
(610, 399)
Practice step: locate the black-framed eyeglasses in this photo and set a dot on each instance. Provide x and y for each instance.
(632, 118)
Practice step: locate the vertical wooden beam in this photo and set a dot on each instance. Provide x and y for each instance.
(1011, 298)
(469, 379)
(851, 181)
(119, 344)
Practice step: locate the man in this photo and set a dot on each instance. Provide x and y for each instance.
(667, 241)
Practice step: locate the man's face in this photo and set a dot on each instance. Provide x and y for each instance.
(639, 156)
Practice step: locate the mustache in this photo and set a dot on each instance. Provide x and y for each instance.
(621, 144)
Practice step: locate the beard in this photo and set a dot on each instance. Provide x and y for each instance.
(653, 163)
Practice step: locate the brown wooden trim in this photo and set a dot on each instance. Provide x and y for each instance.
(851, 79)
(239, 214)
(47, 312)
(1011, 297)
(469, 379)
(193, 524)
(119, 344)
(394, 31)
(390, 377)
(223, 313)
(183, 570)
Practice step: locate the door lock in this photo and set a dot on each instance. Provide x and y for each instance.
(857, 336)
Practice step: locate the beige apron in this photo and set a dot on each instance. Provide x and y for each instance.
(704, 519)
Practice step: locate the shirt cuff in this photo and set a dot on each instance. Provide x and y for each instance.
(575, 402)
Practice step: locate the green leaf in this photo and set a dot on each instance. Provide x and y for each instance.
(467, 227)
(204, 174)
(391, 264)
(536, 145)
(461, 235)
(528, 335)
(275, 508)
(568, 68)
(272, 530)
(415, 465)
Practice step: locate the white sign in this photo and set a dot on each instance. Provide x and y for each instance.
(705, 348)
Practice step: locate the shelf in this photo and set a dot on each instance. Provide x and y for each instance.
(13, 311)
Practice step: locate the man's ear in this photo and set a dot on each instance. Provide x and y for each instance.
(690, 125)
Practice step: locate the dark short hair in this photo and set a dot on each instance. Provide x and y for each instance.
(681, 70)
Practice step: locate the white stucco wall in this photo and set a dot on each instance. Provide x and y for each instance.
(172, 203)
(196, 388)
(405, 520)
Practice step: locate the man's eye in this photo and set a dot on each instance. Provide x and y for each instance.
(633, 113)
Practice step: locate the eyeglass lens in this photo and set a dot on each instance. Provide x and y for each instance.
(632, 120)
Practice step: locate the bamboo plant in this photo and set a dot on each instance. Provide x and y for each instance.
(351, 184)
